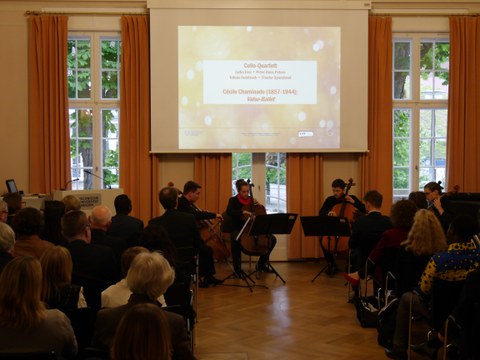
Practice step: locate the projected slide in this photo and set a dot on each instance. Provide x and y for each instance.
(243, 87)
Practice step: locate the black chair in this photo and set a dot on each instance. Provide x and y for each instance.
(35, 355)
(83, 322)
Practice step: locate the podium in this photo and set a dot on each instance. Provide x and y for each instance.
(331, 226)
(91, 198)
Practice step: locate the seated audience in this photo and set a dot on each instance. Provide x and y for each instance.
(419, 198)
(7, 240)
(100, 220)
(94, 266)
(28, 225)
(14, 203)
(58, 292)
(424, 239)
(384, 254)
(119, 293)
(3, 211)
(71, 203)
(156, 238)
(433, 193)
(123, 225)
(52, 215)
(454, 264)
(149, 277)
(143, 333)
(25, 324)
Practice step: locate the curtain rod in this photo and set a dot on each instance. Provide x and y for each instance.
(35, 13)
(424, 14)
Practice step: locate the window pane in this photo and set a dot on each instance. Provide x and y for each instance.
(440, 153)
(110, 68)
(276, 194)
(401, 86)
(110, 123)
(401, 56)
(110, 177)
(401, 122)
(110, 54)
(441, 117)
(241, 168)
(109, 85)
(401, 152)
(79, 72)
(434, 63)
(442, 56)
(440, 84)
(84, 84)
(426, 117)
(426, 152)
(401, 178)
(426, 55)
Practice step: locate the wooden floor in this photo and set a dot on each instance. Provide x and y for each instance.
(299, 320)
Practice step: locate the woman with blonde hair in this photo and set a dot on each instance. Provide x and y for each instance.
(425, 238)
(25, 324)
(58, 292)
(143, 333)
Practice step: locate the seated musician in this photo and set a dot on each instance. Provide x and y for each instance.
(186, 202)
(239, 209)
(338, 189)
(433, 193)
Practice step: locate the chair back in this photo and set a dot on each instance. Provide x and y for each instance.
(445, 295)
(83, 321)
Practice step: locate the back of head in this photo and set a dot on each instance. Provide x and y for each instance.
(52, 213)
(402, 214)
(374, 198)
(7, 238)
(156, 238)
(123, 204)
(143, 333)
(128, 256)
(28, 221)
(150, 274)
(168, 197)
(191, 186)
(338, 183)
(419, 199)
(462, 228)
(20, 285)
(71, 203)
(101, 216)
(3, 206)
(74, 224)
(14, 202)
(57, 269)
(426, 236)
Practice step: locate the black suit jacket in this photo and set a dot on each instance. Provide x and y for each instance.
(117, 244)
(181, 227)
(127, 227)
(108, 320)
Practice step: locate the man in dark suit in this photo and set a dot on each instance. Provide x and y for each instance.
(184, 233)
(94, 266)
(100, 220)
(149, 277)
(123, 225)
(367, 231)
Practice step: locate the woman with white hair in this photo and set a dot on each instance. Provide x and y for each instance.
(149, 276)
(7, 240)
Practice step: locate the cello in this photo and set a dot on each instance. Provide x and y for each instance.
(258, 244)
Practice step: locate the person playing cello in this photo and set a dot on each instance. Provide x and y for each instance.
(186, 202)
(338, 197)
(237, 210)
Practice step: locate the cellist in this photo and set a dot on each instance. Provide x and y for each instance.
(237, 210)
(338, 189)
(186, 202)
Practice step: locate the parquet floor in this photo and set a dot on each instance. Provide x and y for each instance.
(299, 320)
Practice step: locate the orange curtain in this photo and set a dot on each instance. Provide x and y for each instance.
(138, 168)
(304, 197)
(375, 167)
(49, 137)
(214, 173)
(463, 142)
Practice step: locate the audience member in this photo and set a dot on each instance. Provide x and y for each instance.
(384, 254)
(119, 293)
(143, 333)
(94, 266)
(100, 220)
(71, 203)
(25, 324)
(58, 292)
(123, 225)
(7, 240)
(424, 239)
(28, 225)
(451, 265)
(3, 211)
(52, 214)
(419, 198)
(149, 277)
(156, 238)
(14, 203)
(433, 193)
(366, 232)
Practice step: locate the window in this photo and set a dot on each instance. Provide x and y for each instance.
(420, 110)
(94, 109)
(263, 168)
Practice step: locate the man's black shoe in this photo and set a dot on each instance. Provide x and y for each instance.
(211, 280)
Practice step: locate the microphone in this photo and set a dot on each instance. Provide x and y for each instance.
(69, 182)
(99, 177)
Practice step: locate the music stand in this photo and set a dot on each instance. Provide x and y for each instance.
(326, 226)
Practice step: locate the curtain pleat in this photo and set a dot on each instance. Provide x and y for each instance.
(375, 166)
(49, 136)
(463, 145)
(214, 173)
(138, 168)
(304, 196)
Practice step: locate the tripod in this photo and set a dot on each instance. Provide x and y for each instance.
(330, 267)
